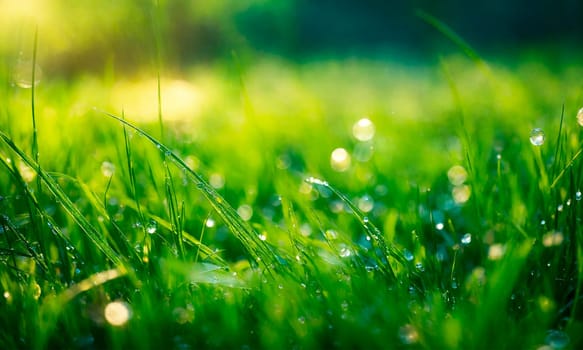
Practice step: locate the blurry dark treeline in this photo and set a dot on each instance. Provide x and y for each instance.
(89, 35)
(308, 27)
(314, 25)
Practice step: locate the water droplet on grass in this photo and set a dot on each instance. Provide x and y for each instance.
(152, 227)
(537, 137)
(210, 222)
(340, 160)
(580, 117)
(496, 251)
(316, 181)
(408, 334)
(330, 235)
(27, 173)
(366, 204)
(457, 175)
(557, 339)
(461, 194)
(553, 238)
(305, 229)
(578, 195)
(345, 252)
(363, 130)
(439, 226)
(263, 236)
(217, 180)
(245, 212)
(466, 239)
(117, 313)
(408, 255)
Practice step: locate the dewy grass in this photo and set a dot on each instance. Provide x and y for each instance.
(308, 266)
(261, 252)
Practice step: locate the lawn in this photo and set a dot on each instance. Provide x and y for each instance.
(262, 202)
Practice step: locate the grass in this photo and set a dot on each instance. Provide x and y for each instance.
(239, 226)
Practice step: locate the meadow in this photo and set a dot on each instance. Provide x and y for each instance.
(268, 203)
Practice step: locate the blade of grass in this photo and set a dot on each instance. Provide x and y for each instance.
(35, 153)
(157, 29)
(556, 160)
(567, 166)
(450, 34)
(176, 214)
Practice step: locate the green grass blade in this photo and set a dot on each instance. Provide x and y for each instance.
(96, 237)
(449, 33)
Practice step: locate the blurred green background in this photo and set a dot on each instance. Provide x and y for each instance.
(93, 35)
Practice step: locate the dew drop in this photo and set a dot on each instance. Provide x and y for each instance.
(117, 313)
(36, 291)
(210, 222)
(340, 160)
(363, 130)
(262, 236)
(408, 334)
(366, 203)
(439, 226)
(461, 194)
(152, 227)
(345, 252)
(316, 181)
(578, 195)
(245, 212)
(330, 235)
(408, 255)
(457, 175)
(496, 251)
(336, 206)
(305, 229)
(466, 239)
(580, 117)
(537, 137)
(557, 339)
(217, 180)
(27, 173)
(371, 268)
